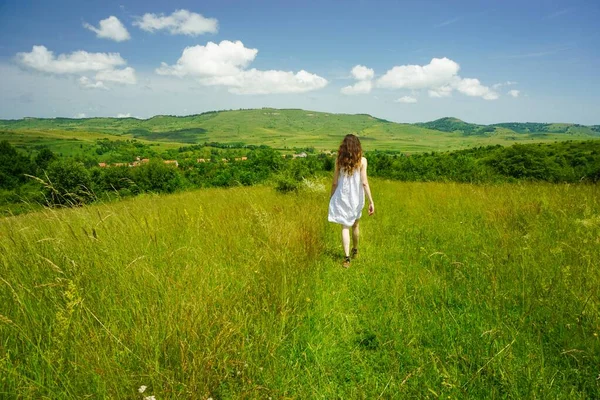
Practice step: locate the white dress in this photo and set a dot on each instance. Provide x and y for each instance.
(348, 200)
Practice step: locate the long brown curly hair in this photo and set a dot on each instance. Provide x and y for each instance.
(349, 154)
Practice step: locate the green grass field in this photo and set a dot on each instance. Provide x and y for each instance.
(282, 129)
(69, 143)
(460, 291)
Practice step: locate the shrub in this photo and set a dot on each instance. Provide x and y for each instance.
(68, 183)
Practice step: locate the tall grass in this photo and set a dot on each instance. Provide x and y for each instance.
(459, 291)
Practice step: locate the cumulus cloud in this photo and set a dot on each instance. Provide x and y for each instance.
(514, 93)
(180, 22)
(361, 73)
(110, 28)
(44, 60)
(437, 73)
(224, 59)
(125, 76)
(270, 82)
(472, 87)
(406, 99)
(224, 64)
(440, 77)
(87, 83)
(364, 77)
(360, 87)
(104, 64)
(443, 91)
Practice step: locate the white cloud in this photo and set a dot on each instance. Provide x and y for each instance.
(360, 87)
(104, 64)
(125, 76)
(361, 73)
(364, 85)
(514, 93)
(79, 115)
(472, 87)
(440, 77)
(110, 28)
(180, 22)
(224, 59)
(499, 85)
(270, 82)
(437, 73)
(224, 64)
(87, 83)
(406, 99)
(443, 91)
(126, 115)
(41, 59)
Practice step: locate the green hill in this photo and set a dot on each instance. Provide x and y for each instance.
(456, 125)
(284, 129)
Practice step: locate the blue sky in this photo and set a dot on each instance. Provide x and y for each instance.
(407, 61)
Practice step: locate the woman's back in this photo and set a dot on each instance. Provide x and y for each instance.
(348, 200)
(348, 192)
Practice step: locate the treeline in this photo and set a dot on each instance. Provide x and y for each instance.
(570, 161)
(51, 180)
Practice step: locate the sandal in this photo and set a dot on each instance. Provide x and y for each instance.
(354, 253)
(346, 263)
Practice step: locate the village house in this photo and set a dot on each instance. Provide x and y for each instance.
(172, 162)
(135, 163)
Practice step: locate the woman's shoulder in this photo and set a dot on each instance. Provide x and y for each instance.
(363, 160)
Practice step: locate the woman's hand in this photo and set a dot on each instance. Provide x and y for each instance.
(371, 209)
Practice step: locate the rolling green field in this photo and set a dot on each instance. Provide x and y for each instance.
(283, 129)
(460, 291)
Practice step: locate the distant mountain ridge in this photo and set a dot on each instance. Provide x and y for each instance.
(287, 129)
(450, 124)
(446, 124)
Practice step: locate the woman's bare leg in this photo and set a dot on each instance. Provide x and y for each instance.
(346, 239)
(355, 235)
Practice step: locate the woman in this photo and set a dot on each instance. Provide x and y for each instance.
(348, 193)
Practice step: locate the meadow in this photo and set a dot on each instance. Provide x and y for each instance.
(459, 291)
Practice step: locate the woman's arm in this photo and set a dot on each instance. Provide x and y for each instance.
(365, 182)
(335, 180)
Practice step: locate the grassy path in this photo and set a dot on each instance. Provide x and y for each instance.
(460, 291)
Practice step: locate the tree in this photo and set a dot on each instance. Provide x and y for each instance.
(68, 183)
(156, 176)
(44, 158)
(13, 166)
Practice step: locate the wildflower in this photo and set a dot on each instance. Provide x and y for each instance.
(142, 388)
(150, 398)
